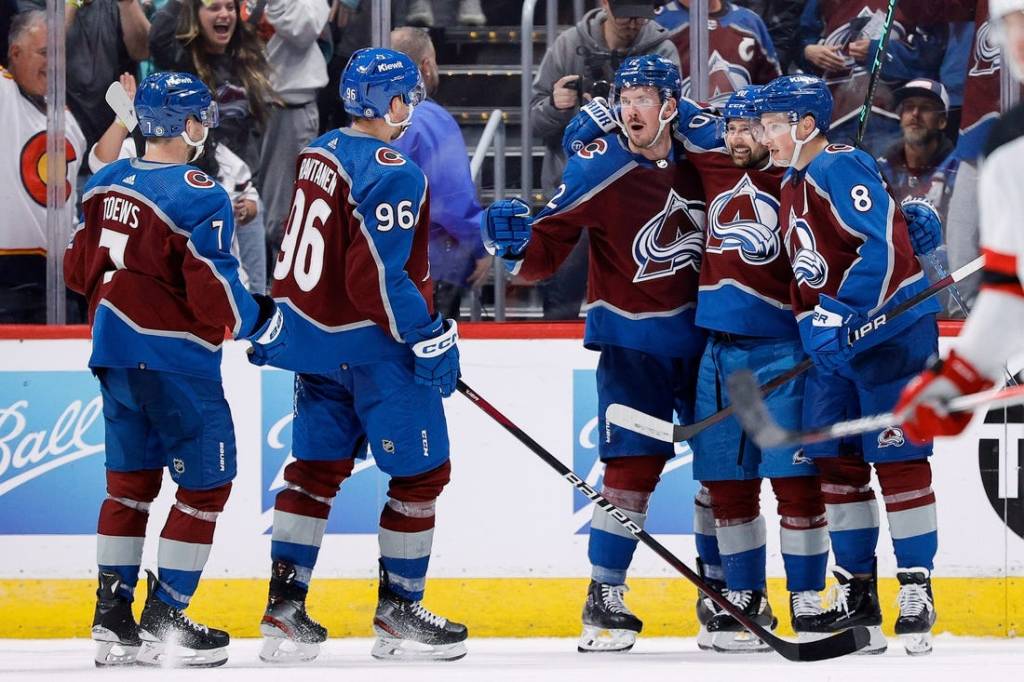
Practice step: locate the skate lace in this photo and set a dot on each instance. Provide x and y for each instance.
(186, 622)
(740, 598)
(612, 596)
(913, 600)
(806, 603)
(428, 617)
(839, 598)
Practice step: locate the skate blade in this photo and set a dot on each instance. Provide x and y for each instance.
(160, 654)
(733, 642)
(392, 649)
(705, 640)
(114, 654)
(917, 643)
(277, 649)
(877, 645)
(595, 639)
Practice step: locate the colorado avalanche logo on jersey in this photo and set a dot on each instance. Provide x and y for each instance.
(745, 219)
(670, 241)
(198, 179)
(987, 55)
(595, 148)
(891, 437)
(724, 78)
(389, 157)
(808, 265)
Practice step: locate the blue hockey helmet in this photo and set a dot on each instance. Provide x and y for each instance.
(797, 96)
(165, 100)
(649, 69)
(376, 75)
(741, 104)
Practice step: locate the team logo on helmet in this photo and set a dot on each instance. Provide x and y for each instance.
(746, 220)
(987, 55)
(34, 167)
(389, 157)
(198, 179)
(670, 241)
(891, 437)
(808, 265)
(595, 148)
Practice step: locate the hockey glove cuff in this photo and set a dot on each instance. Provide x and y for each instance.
(270, 338)
(922, 405)
(593, 120)
(505, 228)
(924, 225)
(830, 346)
(436, 354)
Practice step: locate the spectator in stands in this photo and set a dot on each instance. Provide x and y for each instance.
(838, 41)
(782, 18)
(740, 49)
(434, 142)
(104, 38)
(919, 165)
(23, 232)
(578, 65)
(298, 71)
(206, 38)
(421, 13)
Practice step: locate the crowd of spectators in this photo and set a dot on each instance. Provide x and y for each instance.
(273, 66)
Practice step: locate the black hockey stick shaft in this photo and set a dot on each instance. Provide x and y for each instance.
(840, 644)
(687, 431)
(876, 71)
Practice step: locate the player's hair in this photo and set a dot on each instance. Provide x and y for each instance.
(413, 41)
(248, 60)
(22, 22)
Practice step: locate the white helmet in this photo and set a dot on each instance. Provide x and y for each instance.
(998, 10)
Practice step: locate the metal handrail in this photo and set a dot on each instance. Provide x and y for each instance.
(493, 135)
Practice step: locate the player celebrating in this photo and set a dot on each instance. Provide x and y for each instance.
(153, 258)
(851, 254)
(373, 363)
(744, 302)
(645, 215)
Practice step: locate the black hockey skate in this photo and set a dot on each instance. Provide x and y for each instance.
(113, 625)
(917, 610)
(854, 601)
(707, 609)
(405, 630)
(728, 636)
(170, 638)
(804, 607)
(290, 635)
(608, 624)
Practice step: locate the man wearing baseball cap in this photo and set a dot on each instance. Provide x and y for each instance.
(919, 164)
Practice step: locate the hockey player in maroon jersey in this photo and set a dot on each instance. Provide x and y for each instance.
(153, 259)
(852, 258)
(373, 362)
(645, 215)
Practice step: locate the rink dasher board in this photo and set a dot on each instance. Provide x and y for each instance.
(506, 524)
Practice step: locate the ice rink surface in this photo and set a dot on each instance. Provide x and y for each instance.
(656, 659)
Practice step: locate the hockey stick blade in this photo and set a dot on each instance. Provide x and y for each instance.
(840, 644)
(767, 433)
(118, 100)
(650, 426)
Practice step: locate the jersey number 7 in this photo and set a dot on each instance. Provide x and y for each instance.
(302, 249)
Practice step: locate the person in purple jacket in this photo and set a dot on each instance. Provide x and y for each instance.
(434, 142)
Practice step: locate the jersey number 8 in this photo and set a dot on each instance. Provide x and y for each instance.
(305, 254)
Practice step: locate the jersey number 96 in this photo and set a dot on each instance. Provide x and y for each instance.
(302, 249)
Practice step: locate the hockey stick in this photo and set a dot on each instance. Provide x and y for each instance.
(876, 72)
(839, 644)
(661, 429)
(768, 433)
(118, 100)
